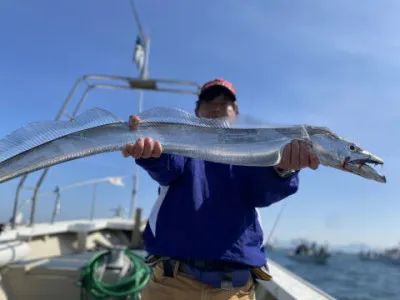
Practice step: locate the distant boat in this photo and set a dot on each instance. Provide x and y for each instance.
(369, 256)
(316, 258)
(390, 260)
(391, 256)
(310, 253)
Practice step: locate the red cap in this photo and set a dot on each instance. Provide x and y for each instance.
(219, 82)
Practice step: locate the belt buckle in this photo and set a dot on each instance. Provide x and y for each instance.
(226, 285)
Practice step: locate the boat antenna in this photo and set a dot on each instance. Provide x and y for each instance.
(136, 16)
(141, 60)
(275, 223)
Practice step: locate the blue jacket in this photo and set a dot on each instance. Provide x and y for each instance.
(207, 211)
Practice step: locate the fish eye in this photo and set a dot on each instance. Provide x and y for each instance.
(352, 147)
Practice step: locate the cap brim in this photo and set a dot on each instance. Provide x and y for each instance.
(219, 87)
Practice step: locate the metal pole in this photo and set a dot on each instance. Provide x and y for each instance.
(134, 194)
(34, 198)
(145, 70)
(16, 202)
(141, 99)
(43, 175)
(144, 73)
(93, 202)
(136, 15)
(136, 176)
(56, 205)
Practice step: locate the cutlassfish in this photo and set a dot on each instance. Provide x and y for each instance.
(44, 144)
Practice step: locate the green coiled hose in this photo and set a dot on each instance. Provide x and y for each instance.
(131, 286)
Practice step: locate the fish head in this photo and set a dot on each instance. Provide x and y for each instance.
(340, 153)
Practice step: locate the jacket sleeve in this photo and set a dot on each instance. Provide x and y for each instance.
(267, 187)
(164, 169)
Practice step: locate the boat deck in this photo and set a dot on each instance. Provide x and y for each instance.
(46, 277)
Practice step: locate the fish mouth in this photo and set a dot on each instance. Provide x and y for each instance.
(366, 167)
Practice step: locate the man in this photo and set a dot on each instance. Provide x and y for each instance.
(203, 235)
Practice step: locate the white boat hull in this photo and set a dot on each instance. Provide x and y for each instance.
(13, 251)
(54, 274)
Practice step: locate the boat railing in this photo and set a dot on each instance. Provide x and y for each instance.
(111, 82)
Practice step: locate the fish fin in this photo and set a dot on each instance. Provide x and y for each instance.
(176, 115)
(37, 133)
(318, 130)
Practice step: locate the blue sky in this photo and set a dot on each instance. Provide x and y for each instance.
(333, 64)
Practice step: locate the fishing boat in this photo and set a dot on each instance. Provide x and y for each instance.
(369, 256)
(391, 256)
(305, 253)
(391, 260)
(45, 260)
(320, 259)
(76, 259)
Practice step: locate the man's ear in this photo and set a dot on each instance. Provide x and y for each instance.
(196, 110)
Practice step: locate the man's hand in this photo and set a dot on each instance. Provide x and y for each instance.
(144, 147)
(298, 155)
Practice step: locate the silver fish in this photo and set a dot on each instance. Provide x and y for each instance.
(44, 144)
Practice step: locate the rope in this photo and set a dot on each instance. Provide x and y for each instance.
(131, 286)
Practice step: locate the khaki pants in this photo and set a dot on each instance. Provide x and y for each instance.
(184, 287)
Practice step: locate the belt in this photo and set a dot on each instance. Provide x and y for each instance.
(210, 265)
(261, 273)
(206, 265)
(216, 274)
